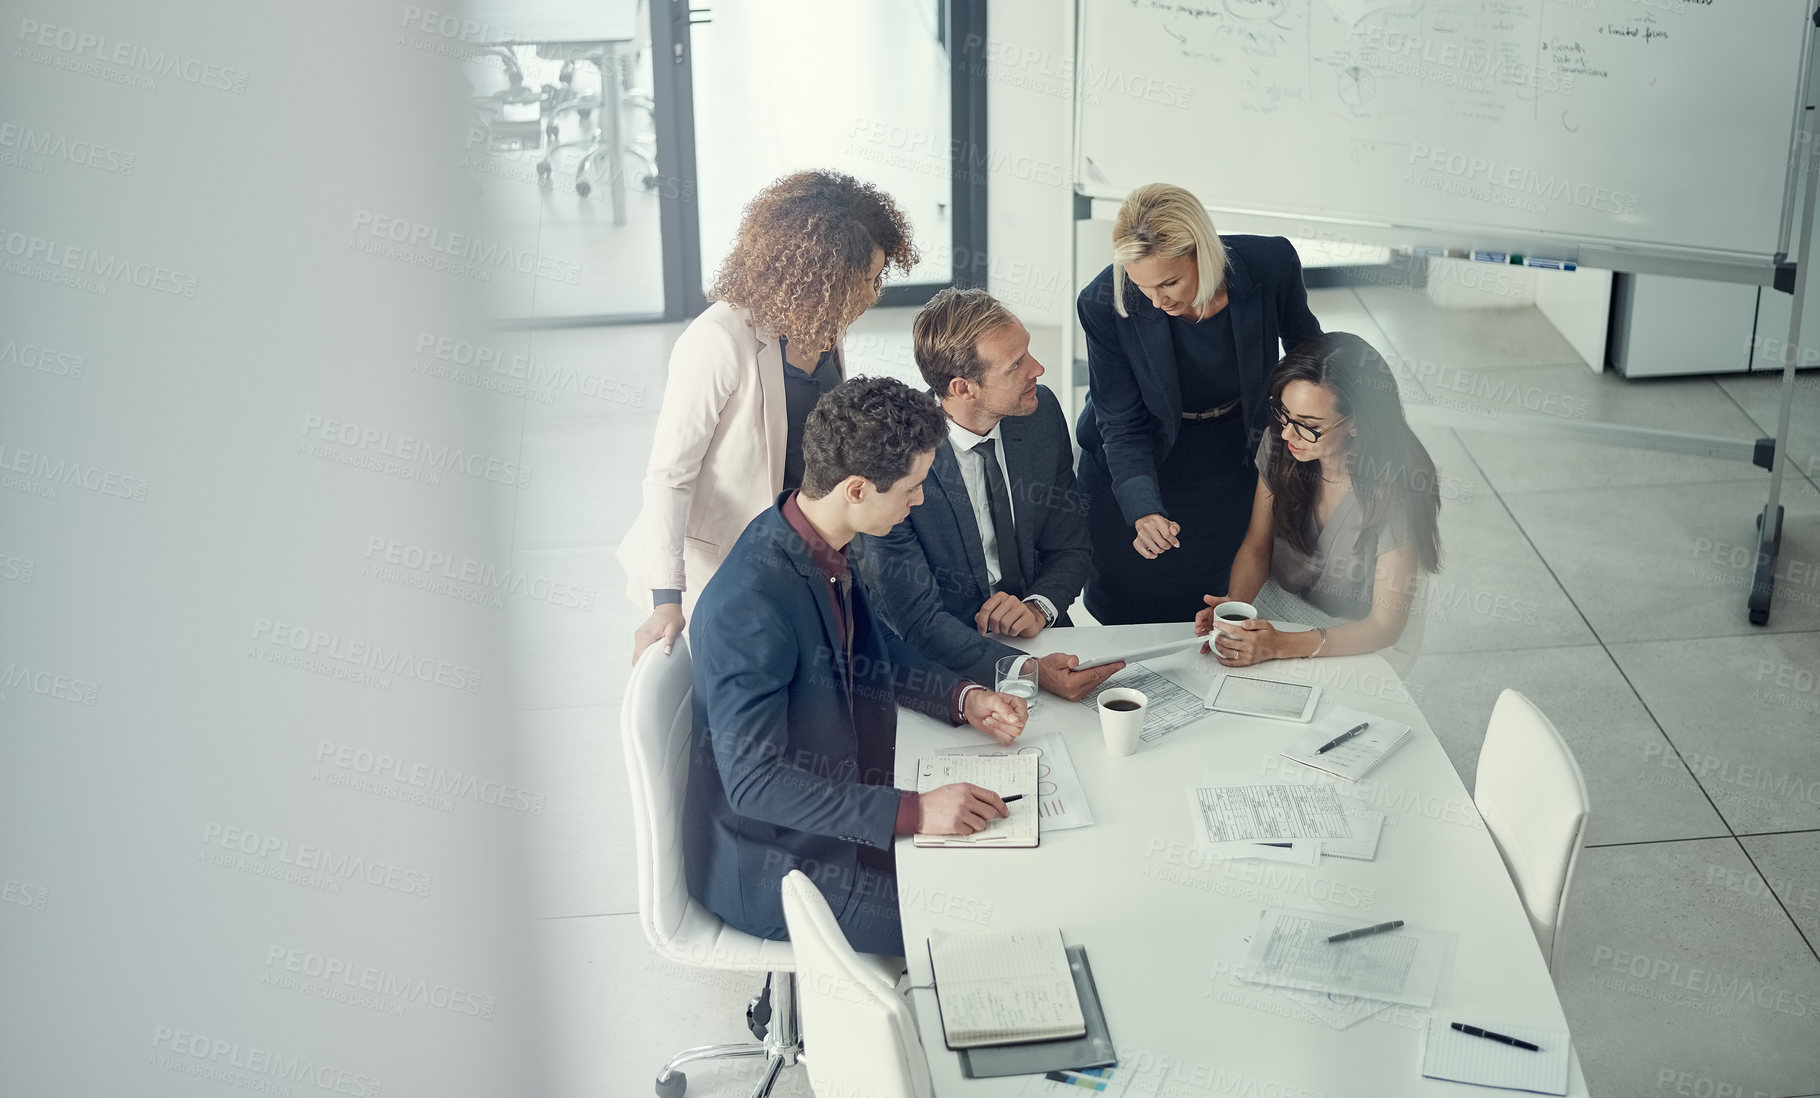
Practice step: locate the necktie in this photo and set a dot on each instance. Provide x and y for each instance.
(998, 502)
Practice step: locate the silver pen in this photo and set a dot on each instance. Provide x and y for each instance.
(1348, 935)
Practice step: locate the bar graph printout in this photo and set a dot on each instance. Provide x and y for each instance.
(1268, 812)
(1290, 949)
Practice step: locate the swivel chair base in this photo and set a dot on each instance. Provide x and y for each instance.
(781, 1048)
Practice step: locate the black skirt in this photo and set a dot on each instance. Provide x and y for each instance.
(1207, 484)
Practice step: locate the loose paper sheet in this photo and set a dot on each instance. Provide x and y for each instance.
(1290, 949)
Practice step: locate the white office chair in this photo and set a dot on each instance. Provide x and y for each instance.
(656, 723)
(1533, 798)
(861, 1034)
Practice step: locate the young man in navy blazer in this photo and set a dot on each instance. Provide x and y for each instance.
(1002, 545)
(797, 683)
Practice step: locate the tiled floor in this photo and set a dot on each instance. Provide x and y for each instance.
(1606, 584)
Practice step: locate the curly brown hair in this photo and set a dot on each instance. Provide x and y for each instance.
(804, 249)
(872, 427)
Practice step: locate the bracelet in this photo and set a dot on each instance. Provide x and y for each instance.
(1318, 647)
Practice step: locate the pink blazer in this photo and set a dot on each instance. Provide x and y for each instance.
(718, 456)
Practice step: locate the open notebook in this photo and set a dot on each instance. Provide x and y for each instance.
(1005, 775)
(1004, 987)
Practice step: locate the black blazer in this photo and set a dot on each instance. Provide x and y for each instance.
(786, 774)
(1134, 400)
(929, 574)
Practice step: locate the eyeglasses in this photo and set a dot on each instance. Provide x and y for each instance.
(1302, 430)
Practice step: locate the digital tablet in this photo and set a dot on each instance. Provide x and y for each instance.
(1137, 654)
(1283, 701)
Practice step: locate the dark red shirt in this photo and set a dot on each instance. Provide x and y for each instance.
(833, 565)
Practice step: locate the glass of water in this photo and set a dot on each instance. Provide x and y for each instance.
(1017, 677)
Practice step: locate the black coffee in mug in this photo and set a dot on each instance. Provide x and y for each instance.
(1233, 617)
(1121, 705)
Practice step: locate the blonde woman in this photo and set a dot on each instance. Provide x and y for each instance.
(1182, 330)
(810, 257)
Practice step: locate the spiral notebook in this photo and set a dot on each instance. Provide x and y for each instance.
(1356, 757)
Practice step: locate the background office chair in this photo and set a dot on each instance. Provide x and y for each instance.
(1533, 798)
(862, 1033)
(656, 723)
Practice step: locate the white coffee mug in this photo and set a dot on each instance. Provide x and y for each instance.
(1122, 726)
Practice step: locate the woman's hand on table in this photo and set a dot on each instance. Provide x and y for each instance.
(1156, 535)
(1000, 716)
(1243, 643)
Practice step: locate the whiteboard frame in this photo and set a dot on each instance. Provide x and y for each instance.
(1775, 271)
(1606, 252)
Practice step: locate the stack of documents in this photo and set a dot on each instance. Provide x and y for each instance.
(1287, 821)
(1004, 987)
(1290, 949)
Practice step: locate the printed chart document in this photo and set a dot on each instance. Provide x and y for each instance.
(1463, 1058)
(1171, 707)
(1005, 775)
(1061, 802)
(1267, 813)
(1004, 987)
(1290, 949)
(1356, 757)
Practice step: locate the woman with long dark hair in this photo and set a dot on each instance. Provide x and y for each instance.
(1345, 512)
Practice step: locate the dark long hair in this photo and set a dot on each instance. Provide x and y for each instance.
(1390, 469)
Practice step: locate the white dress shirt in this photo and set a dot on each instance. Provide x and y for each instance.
(973, 475)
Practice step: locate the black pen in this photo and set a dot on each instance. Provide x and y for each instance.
(1364, 930)
(1342, 737)
(1475, 1031)
(1013, 797)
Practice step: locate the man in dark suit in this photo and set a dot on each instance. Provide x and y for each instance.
(797, 683)
(1002, 546)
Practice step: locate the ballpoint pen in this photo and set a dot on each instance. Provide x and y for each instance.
(1013, 797)
(1348, 935)
(1342, 737)
(1475, 1031)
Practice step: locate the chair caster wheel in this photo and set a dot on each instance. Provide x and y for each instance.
(582, 187)
(673, 1085)
(758, 1012)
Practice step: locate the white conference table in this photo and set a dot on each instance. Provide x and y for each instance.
(1163, 927)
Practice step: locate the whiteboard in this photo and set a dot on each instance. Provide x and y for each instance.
(1657, 125)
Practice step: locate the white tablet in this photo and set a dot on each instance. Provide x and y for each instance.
(1283, 701)
(1137, 654)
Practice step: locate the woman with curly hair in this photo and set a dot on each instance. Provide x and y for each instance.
(810, 257)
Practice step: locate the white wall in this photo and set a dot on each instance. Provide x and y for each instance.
(1029, 96)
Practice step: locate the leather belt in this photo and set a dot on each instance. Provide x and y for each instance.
(1214, 413)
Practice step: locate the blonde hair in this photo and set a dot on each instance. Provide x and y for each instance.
(1161, 221)
(947, 334)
